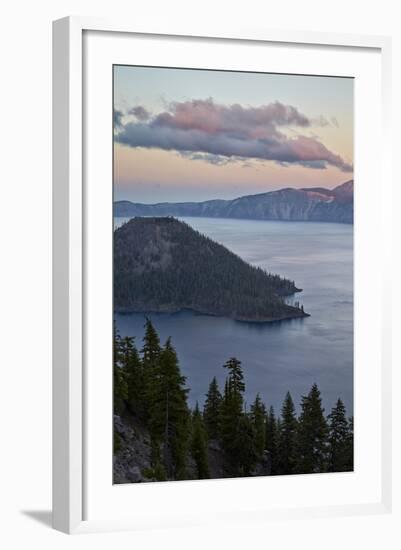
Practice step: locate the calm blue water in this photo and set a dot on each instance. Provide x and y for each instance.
(288, 355)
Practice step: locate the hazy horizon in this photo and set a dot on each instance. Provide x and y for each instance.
(226, 197)
(194, 135)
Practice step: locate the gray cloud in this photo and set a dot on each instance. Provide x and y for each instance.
(117, 119)
(321, 121)
(214, 132)
(334, 122)
(140, 113)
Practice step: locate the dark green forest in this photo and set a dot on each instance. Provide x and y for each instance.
(150, 394)
(162, 264)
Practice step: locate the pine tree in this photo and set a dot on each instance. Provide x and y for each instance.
(350, 446)
(231, 413)
(286, 459)
(245, 444)
(116, 344)
(169, 415)
(272, 439)
(258, 416)
(212, 409)
(339, 439)
(236, 376)
(151, 343)
(199, 445)
(120, 390)
(150, 356)
(132, 367)
(312, 434)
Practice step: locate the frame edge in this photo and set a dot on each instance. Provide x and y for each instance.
(67, 275)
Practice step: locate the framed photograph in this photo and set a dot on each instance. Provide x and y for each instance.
(220, 250)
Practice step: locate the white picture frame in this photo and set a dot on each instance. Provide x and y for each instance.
(70, 257)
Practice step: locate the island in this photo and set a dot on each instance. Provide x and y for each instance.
(161, 265)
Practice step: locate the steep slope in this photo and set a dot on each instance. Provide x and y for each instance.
(313, 204)
(132, 458)
(163, 265)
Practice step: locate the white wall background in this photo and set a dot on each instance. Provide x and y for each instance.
(25, 291)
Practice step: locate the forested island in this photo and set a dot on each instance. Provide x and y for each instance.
(157, 437)
(163, 265)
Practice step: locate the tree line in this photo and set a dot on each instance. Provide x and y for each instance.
(149, 385)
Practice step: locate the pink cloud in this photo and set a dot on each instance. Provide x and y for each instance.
(234, 131)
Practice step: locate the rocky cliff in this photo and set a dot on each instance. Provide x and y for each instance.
(132, 455)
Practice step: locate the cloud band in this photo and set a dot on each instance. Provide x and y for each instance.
(232, 132)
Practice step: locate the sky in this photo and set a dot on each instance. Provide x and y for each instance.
(193, 135)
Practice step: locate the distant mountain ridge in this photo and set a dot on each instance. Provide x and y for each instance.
(163, 265)
(289, 204)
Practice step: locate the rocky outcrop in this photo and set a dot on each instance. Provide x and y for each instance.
(132, 452)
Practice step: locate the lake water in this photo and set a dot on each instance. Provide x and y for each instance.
(276, 357)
